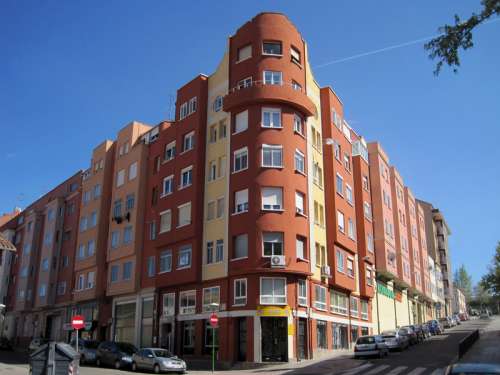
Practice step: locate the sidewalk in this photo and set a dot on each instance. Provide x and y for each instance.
(486, 349)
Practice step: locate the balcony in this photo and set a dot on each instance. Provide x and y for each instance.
(258, 92)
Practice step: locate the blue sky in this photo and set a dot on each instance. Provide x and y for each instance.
(74, 72)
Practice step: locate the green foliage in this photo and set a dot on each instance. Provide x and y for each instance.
(491, 281)
(463, 281)
(445, 48)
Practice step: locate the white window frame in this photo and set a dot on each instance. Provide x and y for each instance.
(120, 178)
(188, 249)
(319, 304)
(243, 205)
(165, 254)
(239, 300)
(169, 149)
(192, 307)
(169, 227)
(302, 299)
(168, 308)
(189, 173)
(273, 242)
(273, 80)
(299, 155)
(271, 111)
(208, 307)
(279, 198)
(246, 56)
(179, 208)
(132, 171)
(240, 122)
(236, 154)
(276, 299)
(188, 140)
(271, 149)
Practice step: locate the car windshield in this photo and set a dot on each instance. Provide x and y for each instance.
(91, 344)
(126, 348)
(389, 336)
(366, 340)
(162, 353)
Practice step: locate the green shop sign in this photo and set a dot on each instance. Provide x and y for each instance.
(385, 291)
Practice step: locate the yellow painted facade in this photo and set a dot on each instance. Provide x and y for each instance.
(216, 189)
(391, 308)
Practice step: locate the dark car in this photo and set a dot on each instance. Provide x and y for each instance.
(435, 327)
(417, 328)
(426, 330)
(87, 350)
(5, 344)
(412, 335)
(116, 354)
(473, 368)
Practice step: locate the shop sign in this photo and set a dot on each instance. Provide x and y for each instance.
(276, 311)
(291, 330)
(385, 291)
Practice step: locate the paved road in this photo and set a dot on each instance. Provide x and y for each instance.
(427, 358)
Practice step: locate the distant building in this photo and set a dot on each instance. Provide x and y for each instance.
(459, 304)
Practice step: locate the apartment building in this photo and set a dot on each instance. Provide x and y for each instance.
(44, 234)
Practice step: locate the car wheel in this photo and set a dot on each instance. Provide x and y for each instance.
(98, 362)
(156, 369)
(117, 364)
(134, 366)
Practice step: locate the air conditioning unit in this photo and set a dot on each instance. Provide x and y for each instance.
(325, 271)
(300, 211)
(278, 261)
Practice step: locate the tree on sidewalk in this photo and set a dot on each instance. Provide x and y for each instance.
(445, 47)
(491, 281)
(463, 281)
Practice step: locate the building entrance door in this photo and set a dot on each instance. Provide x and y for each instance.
(274, 339)
(242, 339)
(302, 338)
(167, 337)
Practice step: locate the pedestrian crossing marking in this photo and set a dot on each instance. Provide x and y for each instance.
(378, 369)
(438, 371)
(417, 371)
(357, 370)
(397, 370)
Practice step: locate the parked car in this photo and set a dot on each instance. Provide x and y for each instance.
(5, 344)
(445, 322)
(394, 340)
(473, 368)
(412, 335)
(426, 330)
(484, 315)
(370, 346)
(36, 343)
(457, 319)
(157, 360)
(463, 317)
(87, 349)
(435, 327)
(417, 328)
(117, 354)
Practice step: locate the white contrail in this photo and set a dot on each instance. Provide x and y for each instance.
(369, 53)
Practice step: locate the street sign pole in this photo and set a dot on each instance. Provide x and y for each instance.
(77, 322)
(76, 340)
(214, 320)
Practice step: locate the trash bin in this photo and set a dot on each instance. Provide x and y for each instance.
(54, 358)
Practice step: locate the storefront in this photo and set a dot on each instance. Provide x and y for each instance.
(124, 322)
(340, 336)
(275, 330)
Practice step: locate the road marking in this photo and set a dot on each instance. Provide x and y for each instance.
(417, 371)
(438, 371)
(358, 369)
(378, 369)
(397, 370)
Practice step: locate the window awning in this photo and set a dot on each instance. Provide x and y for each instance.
(6, 245)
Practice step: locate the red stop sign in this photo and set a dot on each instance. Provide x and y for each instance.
(214, 320)
(78, 322)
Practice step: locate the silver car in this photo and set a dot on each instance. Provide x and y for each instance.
(87, 350)
(157, 360)
(370, 345)
(394, 340)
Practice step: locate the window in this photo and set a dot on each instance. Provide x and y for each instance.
(93, 219)
(338, 302)
(320, 255)
(272, 78)
(184, 259)
(300, 247)
(240, 292)
(219, 251)
(45, 264)
(192, 105)
(369, 280)
(337, 150)
(187, 302)
(86, 197)
(298, 125)
(302, 292)
(212, 170)
(340, 185)
(272, 243)
(241, 122)
(165, 261)
(169, 151)
(43, 290)
(184, 212)
(241, 201)
(350, 267)
(320, 297)
(347, 162)
(83, 224)
(61, 288)
(244, 53)
(168, 185)
(114, 273)
(272, 198)
(127, 271)
(369, 242)
(319, 214)
(80, 283)
(222, 129)
(115, 238)
(97, 191)
(272, 291)
(117, 208)
(366, 183)
(340, 260)
(217, 103)
(354, 306)
(272, 156)
(220, 207)
(296, 86)
(295, 54)
(271, 118)
(340, 221)
(350, 229)
(348, 194)
(210, 296)
(151, 266)
(120, 178)
(132, 171)
(211, 210)
(24, 272)
(240, 159)
(367, 208)
(271, 48)
(300, 162)
(186, 177)
(317, 175)
(90, 248)
(299, 203)
(244, 83)
(130, 202)
(210, 252)
(127, 235)
(240, 246)
(169, 304)
(90, 280)
(221, 166)
(188, 143)
(321, 334)
(212, 134)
